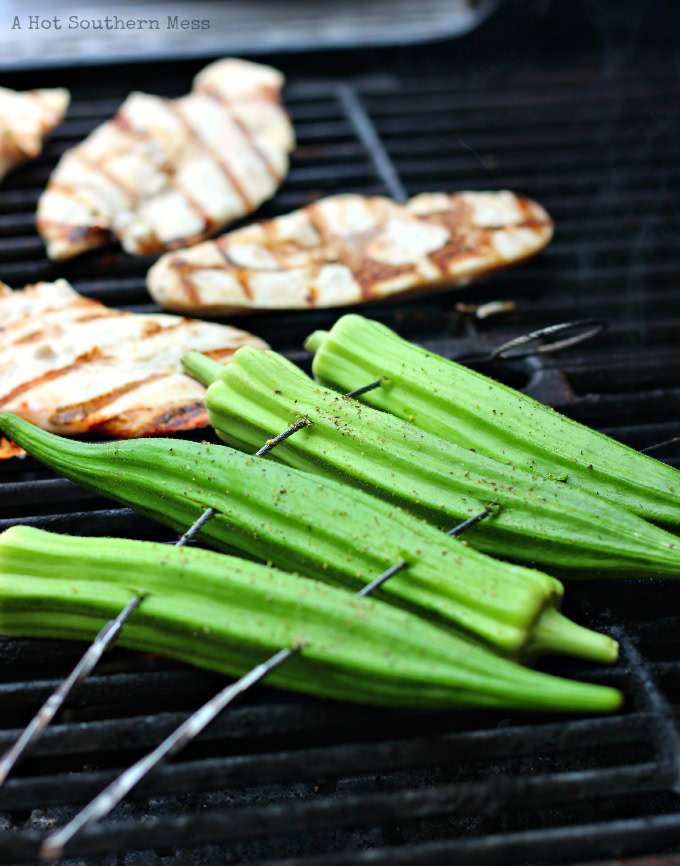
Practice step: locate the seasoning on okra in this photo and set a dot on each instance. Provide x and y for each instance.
(226, 614)
(540, 521)
(474, 411)
(324, 529)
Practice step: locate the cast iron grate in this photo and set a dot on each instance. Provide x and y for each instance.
(281, 779)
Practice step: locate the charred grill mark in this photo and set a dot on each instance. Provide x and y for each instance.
(319, 224)
(219, 97)
(217, 354)
(123, 122)
(370, 272)
(464, 237)
(102, 314)
(351, 252)
(530, 220)
(10, 325)
(98, 165)
(147, 421)
(241, 274)
(22, 389)
(179, 418)
(224, 167)
(78, 412)
(51, 228)
(184, 271)
(35, 336)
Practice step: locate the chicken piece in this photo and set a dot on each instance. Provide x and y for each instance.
(167, 173)
(74, 366)
(25, 119)
(348, 249)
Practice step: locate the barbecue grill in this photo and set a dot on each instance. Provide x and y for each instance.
(581, 113)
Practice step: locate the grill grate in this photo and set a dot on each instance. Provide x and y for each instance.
(288, 780)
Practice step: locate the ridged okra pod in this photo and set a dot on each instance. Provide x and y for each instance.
(474, 411)
(539, 520)
(324, 529)
(227, 614)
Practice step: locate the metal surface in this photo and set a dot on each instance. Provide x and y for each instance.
(96, 32)
(283, 779)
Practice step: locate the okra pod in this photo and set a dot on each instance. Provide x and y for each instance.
(325, 529)
(227, 614)
(538, 520)
(474, 411)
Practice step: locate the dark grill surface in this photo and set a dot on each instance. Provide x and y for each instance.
(281, 779)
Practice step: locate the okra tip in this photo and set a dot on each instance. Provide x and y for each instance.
(554, 633)
(315, 340)
(201, 367)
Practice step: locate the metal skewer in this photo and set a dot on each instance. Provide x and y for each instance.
(56, 700)
(529, 344)
(53, 846)
(110, 631)
(83, 668)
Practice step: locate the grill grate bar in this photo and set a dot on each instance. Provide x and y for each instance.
(551, 845)
(303, 817)
(335, 760)
(369, 137)
(663, 729)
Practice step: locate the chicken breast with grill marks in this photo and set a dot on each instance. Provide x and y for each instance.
(26, 118)
(347, 249)
(74, 366)
(166, 173)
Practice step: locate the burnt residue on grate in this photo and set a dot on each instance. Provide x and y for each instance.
(288, 780)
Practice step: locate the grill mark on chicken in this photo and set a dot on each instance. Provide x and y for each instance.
(98, 166)
(81, 411)
(25, 387)
(100, 314)
(351, 248)
(217, 159)
(173, 159)
(216, 354)
(124, 123)
(76, 233)
(351, 252)
(226, 103)
(16, 323)
(239, 273)
(177, 418)
(34, 336)
(118, 362)
(184, 271)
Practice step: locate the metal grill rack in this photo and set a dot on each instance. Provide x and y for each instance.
(286, 780)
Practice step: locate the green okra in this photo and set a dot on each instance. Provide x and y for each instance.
(324, 529)
(474, 411)
(539, 521)
(227, 614)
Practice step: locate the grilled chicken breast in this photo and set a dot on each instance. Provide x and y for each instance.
(73, 365)
(25, 119)
(166, 173)
(347, 249)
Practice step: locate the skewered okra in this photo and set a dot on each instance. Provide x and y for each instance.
(473, 411)
(227, 614)
(540, 521)
(324, 529)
